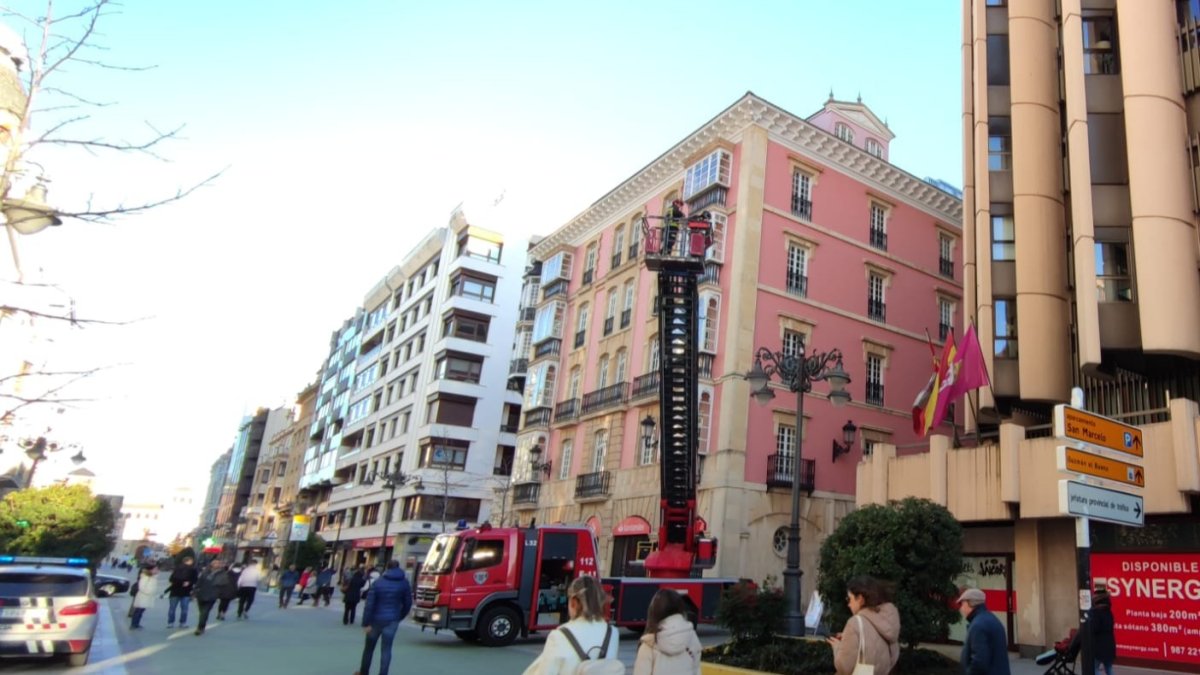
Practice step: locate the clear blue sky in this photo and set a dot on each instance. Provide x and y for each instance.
(352, 128)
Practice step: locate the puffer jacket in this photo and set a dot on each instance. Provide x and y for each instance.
(389, 599)
(147, 590)
(212, 586)
(673, 650)
(880, 640)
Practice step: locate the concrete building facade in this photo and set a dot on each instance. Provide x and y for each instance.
(819, 242)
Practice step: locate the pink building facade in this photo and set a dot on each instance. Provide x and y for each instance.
(818, 242)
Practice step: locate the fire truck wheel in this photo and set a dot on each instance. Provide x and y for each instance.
(467, 635)
(499, 627)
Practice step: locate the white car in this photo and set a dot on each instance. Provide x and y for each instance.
(47, 608)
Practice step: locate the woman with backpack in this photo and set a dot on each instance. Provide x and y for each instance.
(670, 645)
(586, 643)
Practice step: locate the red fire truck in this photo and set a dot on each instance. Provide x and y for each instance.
(493, 584)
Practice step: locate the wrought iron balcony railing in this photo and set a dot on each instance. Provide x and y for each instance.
(607, 397)
(566, 411)
(780, 468)
(593, 485)
(526, 493)
(645, 386)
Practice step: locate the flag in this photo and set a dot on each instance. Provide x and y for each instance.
(918, 411)
(965, 371)
(932, 405)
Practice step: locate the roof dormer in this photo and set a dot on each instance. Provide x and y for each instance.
(853, 122)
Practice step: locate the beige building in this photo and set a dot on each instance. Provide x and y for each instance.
(1081, 130)
(287, 448)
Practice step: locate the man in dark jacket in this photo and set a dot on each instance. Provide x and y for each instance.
(324, 586)
(213, 584)
(287, 585)
(351, 594)
(985, 651)
(183, 582)
(1104, 644)
(388, 603)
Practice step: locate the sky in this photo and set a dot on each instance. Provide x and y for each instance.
(344, 132)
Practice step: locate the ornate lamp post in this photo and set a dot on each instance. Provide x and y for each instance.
(535, 457)
(37, 449)
(391, 481)
(797, 372)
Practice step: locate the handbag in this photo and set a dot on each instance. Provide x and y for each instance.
(861, 667)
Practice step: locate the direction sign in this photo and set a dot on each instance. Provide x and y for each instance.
(1097, 503)
(1081, 426)
(1072, 460)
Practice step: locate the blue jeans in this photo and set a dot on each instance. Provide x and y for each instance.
(1104, 667)
(136, 622)
(388, 631)
(182, 603)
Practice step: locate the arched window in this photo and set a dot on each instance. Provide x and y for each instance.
(602, 378)
(843, 132)
(705, 410)
(573, 386)
(599, 450)
(710, 318)
(622, 365)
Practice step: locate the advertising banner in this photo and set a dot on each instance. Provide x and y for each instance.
(1155, 603)
(299, 528)
(990, 574)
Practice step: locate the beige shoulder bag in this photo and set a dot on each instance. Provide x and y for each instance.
(861, 667)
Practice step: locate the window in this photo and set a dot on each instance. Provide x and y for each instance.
(797, 270)
(557, 266)
(874, 379)
(461, 367)
(999, 144)
(1112, 272)
(710, 318)
(946, 256)
(581, 325)
(705, 414)
(874, 148)
(618, 246)
(472, 327)
(945, 318)
(564, 461)
(712, 170)
(444, 453)
(475, 287)
(439, 508)
(843, 132)
(716, 250)
(539, 386)
(622, 365)
(627, 312)
(589, 264)
(480, 249)
(801, 194)
(602, 376)
(482, 553)
(610, 316)
(1099, 46)
(793, 343)
(635, 236)
(876, 308)
(599, 450)
(997, 60)
(1006, 328)
(548, 323)
(573, 383)
(404, 419)
(654, 356)
(878, 226)
(647, 454)
(785, 439)
(1004, 245)
(451, 409)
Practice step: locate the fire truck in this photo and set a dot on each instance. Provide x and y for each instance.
(492, 585)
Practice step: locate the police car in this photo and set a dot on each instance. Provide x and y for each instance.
(47, 608)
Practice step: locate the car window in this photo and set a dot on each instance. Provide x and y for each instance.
(41, 584)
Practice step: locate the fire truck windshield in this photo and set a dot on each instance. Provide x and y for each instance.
(441, 554)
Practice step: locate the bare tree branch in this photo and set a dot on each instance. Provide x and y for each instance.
(44, 397)
(73, 320)
(48, 373)
(76, 97)
(104, 215)
(110, 66)
(146, 147)
(91, 16)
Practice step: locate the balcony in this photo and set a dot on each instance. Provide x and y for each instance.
(566, 411)
(528, 313)
(580, 338)
(592, 486)
(706, 366)
(779, 472)
(626, 317)
(608, 397)
(644, 386)
(538, 417)
(608, 325)
(876, 310)
(801, 207)
(797, 284)
(509, 428)
(550, 290)
(715, 194)
(943, 331)
(518, 366)
(875, 393)
(526, 493)
(946, 267)
(588, 275)
(616, 260)
(878, 238)
(550, 347)
(633, 251)
(712, 274)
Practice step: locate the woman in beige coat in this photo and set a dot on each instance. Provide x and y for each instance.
(670, 645)
(875, 625)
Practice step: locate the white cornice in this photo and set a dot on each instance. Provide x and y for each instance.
(730, 124)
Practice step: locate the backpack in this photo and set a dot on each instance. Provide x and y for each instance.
(598, 665)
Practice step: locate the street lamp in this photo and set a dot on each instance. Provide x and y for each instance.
(797, 372)
(391, 481)
(37, 449)
(848, 433)
(535, 456)
(648, 440)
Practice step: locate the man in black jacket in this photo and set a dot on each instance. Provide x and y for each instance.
(183, 582)
(213, 584)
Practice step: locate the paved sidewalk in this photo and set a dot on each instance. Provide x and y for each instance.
(1020, 666)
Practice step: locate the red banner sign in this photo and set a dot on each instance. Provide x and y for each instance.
(374, 542)
(1155, 603)
(631, 526)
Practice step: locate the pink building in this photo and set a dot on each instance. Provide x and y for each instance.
(819, 241)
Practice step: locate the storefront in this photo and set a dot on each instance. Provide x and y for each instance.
(631, 543)
(366, 552)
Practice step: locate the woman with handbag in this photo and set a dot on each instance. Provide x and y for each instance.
(670, 645)
(869, 644)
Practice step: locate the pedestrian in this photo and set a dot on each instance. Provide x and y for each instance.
(287, 585)
(669, 645)
(1104, 643)
(872, 634)
(985, 651)
(372, 575)
(305, 579)
(324, 586)
(273, 578)
(227, 591)
(182, 583)
(587, 627)
(143, 598)
(247, 588)
(388, 603)
(210, 586)
(351, 594)
(672, 224)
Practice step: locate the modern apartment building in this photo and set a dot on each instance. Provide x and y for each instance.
(414, 390)
(819, 242)
(1081, 127)
(283, 492)
(216, 488)
(257, 533)
(239, 479)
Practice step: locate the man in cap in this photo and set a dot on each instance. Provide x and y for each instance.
(985, 651)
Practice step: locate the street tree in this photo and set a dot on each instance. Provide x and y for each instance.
(308, 553)
(914, 544)
(60, 520)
